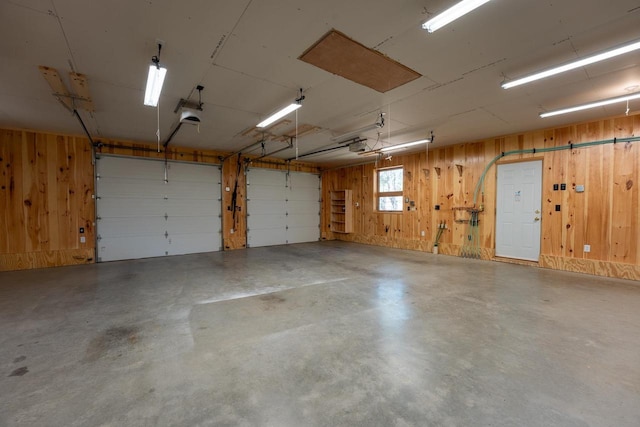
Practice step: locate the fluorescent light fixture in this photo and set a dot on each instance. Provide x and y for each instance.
(278, 115)
(591, 105)
(451, 14)
(573, 65)
(405, 145)
(154, 85)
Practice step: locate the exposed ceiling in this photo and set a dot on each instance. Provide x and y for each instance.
(245, 54)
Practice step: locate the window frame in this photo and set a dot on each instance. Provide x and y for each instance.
(379, 194)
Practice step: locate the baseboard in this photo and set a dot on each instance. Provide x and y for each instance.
(29, 260)
(588, 266)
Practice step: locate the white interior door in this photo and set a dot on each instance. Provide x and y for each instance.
(282, 208)
(139, 215)
(518, 213)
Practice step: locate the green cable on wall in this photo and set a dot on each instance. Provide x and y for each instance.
(471, 247)
(543, 150)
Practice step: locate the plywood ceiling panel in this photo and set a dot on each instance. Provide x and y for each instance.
(338, 54)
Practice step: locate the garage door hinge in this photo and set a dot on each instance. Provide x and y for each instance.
(98, 218)
(99, 238)
(166, 217)
(166, 234)
(98, 176)
(98, 197)
(166, 197)
(287, 227)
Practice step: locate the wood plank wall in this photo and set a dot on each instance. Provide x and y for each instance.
(47, 187)
(605, 216)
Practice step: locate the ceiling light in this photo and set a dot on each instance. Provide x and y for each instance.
(283, 112)
(155, 79)
(278, 115)
(451, 14)
(573, 65)
(154, 85)
(405, 145)
(591, 105)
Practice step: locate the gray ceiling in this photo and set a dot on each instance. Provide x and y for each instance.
(244, 52)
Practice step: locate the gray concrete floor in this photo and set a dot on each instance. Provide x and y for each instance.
(320, 334)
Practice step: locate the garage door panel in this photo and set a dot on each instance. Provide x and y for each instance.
(130, 207)
(129, 168)
(193, 224)
(121, 187)
(133, 200)
(265, 207)
(266, 192)
(298, 207)
(309, 220)
(267, 237)
(310, 197)
(192, 243)
(302, 234)
(301, 179)
(266, 221)
(130, 226)
(184, 172)
(127, 247)
(193, 190)
(177, 207)
(276, 201)
(257, 175)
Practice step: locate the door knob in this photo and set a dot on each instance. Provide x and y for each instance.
(537, 211)
(537, 218)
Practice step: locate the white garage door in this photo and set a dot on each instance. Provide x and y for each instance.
(282, 208)
(139, 215)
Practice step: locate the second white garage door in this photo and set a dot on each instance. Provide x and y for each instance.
(140, 215)
(282, 207)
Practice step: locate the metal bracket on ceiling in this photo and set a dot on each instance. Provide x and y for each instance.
(188, 103)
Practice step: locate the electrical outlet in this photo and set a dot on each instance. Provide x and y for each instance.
(555, 187)
(587, 248)
(83, 239)
(563, 187)
(422, 233)
(557, 208)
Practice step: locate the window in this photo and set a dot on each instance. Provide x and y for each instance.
(390, 189)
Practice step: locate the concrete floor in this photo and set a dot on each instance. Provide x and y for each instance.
(319, 334)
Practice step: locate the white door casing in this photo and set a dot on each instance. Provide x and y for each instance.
(519, 213)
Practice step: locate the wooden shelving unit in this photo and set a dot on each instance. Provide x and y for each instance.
(341, 211)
